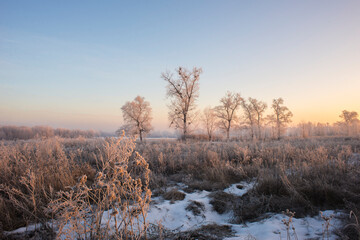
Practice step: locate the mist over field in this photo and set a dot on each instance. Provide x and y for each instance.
(179, 120)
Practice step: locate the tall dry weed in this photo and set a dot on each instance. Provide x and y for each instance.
(30, 174)
(115, 204)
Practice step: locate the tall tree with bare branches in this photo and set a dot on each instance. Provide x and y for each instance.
(249, 116)
(226, 111)
(209, 120)
(183, 89)
(137, 115)
(259, 108)
(281, 116)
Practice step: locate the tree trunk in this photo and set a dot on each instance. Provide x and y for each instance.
(279, 132)
(228, 132)
(185, 128)
(141, 138)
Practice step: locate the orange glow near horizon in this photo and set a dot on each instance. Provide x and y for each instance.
(110, 122)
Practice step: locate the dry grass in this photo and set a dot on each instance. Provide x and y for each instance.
(302, 175)
(222, 201)
(34, 174)
(30, 174)
(122, 186)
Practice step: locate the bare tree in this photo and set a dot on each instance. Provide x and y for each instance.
(281, 116)
(183, 91)
(349, 119)
(226, 112)
(209, 120)
(249, 116)
(259, 108)
(137, 115)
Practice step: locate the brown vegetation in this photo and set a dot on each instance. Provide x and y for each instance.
(77, 179)
(174, 195)
(302, 175)
(15, 133)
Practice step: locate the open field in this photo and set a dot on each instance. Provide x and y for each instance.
(186, 120)
(223, 189)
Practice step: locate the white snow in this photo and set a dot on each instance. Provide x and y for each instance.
(175, 217)
(274, 228)
(29, 228)
(240, 189)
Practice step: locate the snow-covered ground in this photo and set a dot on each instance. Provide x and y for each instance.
(174, 215)
(274, 228)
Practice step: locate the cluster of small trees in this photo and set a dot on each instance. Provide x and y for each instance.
(253, 118)
(24, 133)
(183, 91)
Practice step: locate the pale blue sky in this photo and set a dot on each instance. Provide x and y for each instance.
(75, 63)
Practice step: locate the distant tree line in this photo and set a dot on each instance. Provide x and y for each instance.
(349, 125)
(24, 133)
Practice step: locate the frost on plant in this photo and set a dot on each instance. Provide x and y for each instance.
(115, 204)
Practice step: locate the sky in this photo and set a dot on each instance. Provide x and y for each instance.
(73, 64)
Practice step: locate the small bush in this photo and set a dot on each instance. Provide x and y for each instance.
(222, 201)
(174, 195)
(195, 207)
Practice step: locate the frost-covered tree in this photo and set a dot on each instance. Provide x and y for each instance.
(183, 89)
(226, 111)
(209, 120)
(137, 116)
(349, 119)
(249, 116)
(258, 108)
(281, 116)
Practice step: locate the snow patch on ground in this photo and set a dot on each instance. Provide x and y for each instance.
(273, 228)
(29, 228)
(176, 217)
(239, 189)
